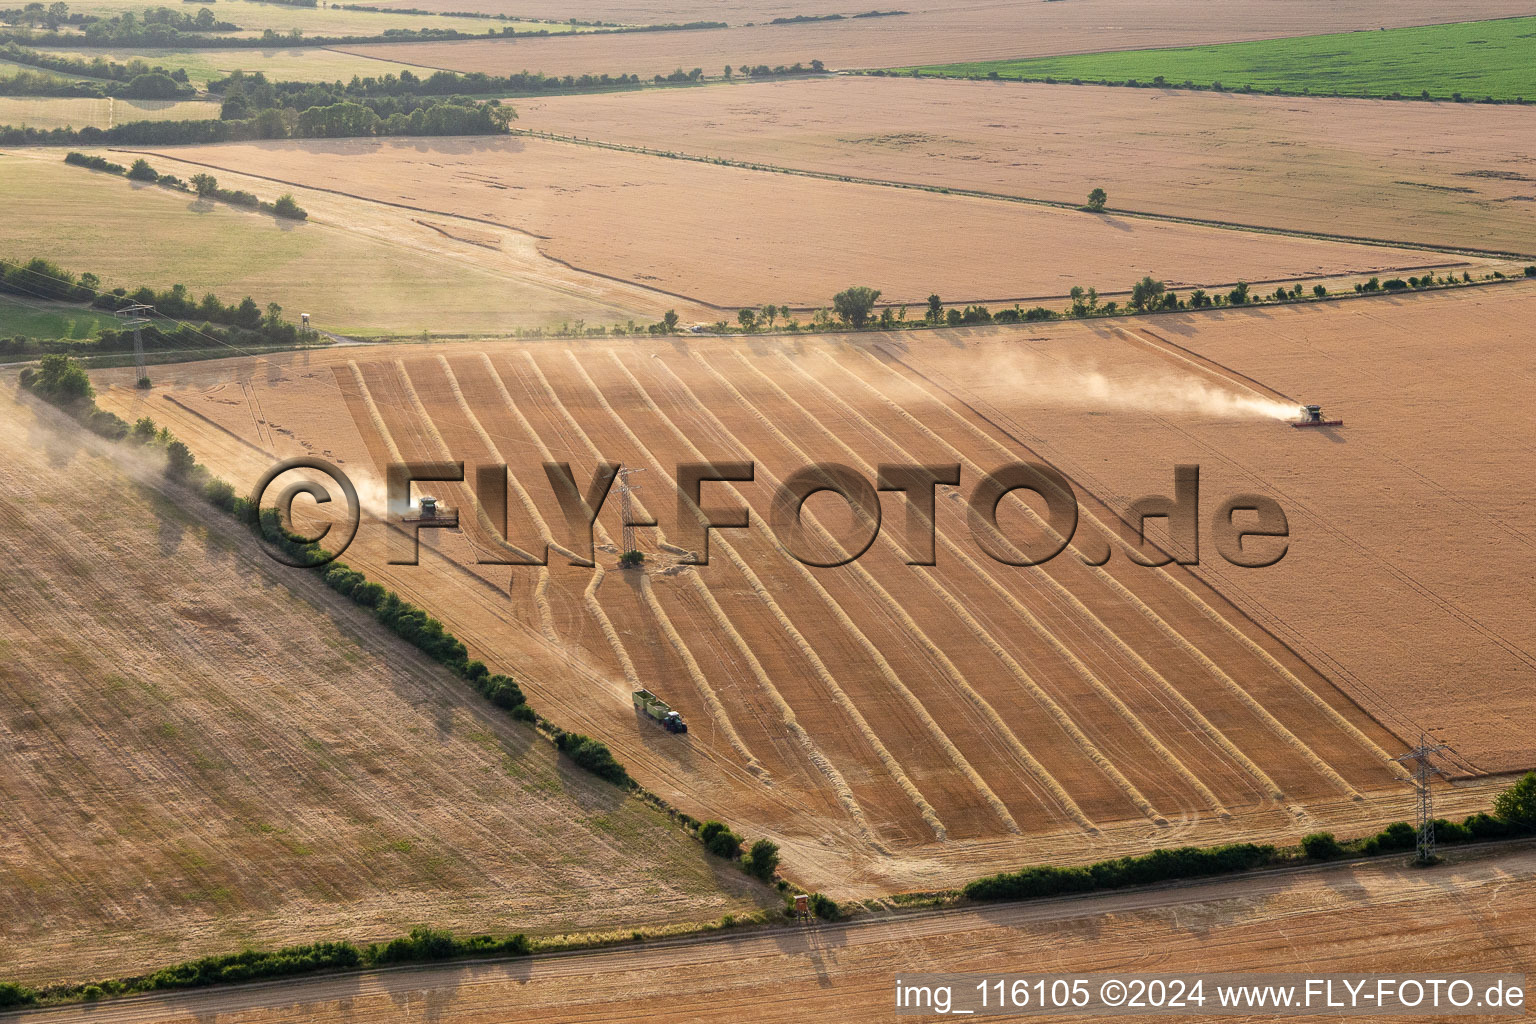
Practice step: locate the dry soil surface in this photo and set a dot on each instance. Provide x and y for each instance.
(1360, 918)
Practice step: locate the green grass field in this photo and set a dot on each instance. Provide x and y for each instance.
(304, 64)
(347, 264)
(1477, 59)
(81, 112)
(50, 320)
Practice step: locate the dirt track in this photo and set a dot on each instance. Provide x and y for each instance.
(1471, 915)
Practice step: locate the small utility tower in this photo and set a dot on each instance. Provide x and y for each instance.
(1423, 773)
(137, 317)
(625, 490)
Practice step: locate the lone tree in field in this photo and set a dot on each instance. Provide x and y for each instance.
(1096, 200)
(853, 305)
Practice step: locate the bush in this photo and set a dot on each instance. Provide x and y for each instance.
(143, 384)
(286, 207)
(725, 844)
(141, 171)
(60, 379)
(503, 692)
(1486, 826)
(825, 907)
(1321, 846)
(1394, 284)
(1517, 805)
(1159, 865)
(719, 840)
(421, 944)
(1530, 271)
(95, 163)
(220, 493)
(853, 305)
(763, 859)
(12, 994)
(1451, 832)
(593, 755)
(1319, 291)
(1397, 836)
(179, 462)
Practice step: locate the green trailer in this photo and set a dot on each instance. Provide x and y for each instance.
(653, 707)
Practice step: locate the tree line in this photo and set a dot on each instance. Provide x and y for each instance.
(420, 946)
(246, 320)
(156, 25)
(98, 67)
(205, 185)
(427, 115)
(148, 86)
(130, 29)
(1514, 815)
(855, 308)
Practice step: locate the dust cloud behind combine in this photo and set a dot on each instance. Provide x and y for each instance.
(1050, 382)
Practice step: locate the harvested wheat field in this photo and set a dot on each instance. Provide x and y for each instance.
(1469, 916)
(891, 725)
(202, 751)
(948, 30)
(1441, 174)
(1413, 530)
(354, 265)
(728, 237)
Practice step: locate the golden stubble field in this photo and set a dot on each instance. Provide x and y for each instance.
(945, 30)
(731, 237)
(906, 727)
(1442, 174)
(202, 752)
(1467, 916)
(1414, 529)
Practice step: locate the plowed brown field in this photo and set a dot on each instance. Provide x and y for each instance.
(892, 725)
(731, 237)
(940, 31)
(199, 753)
(1443, 174)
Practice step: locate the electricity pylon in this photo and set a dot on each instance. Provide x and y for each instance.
(1423, 772)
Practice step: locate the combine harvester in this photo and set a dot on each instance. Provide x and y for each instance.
(432, 512)
(652, 706)
(1312, 416)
